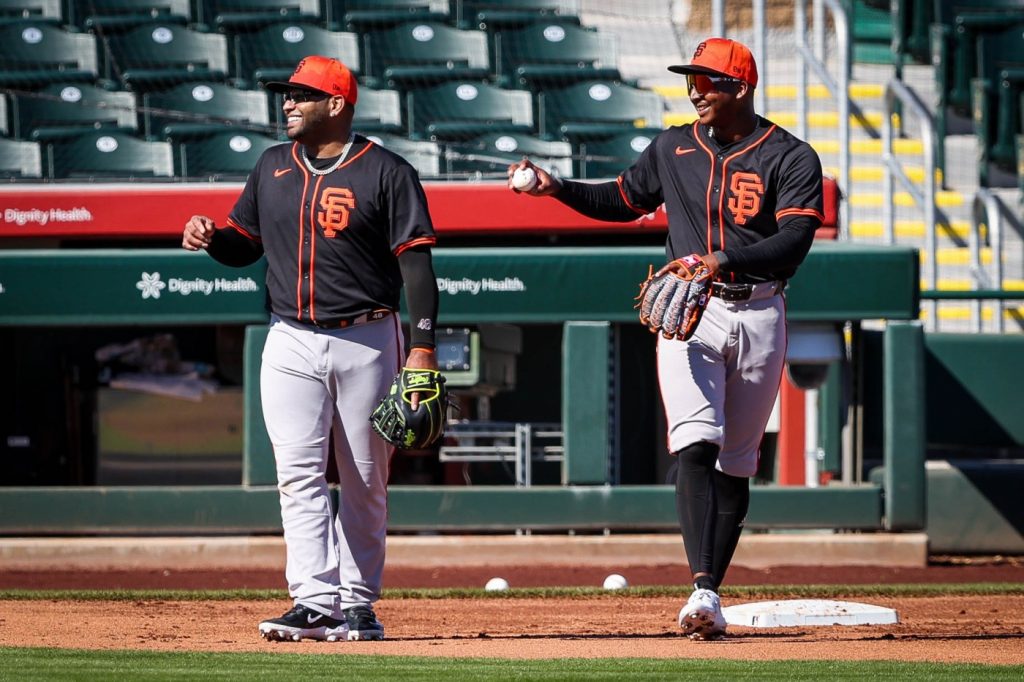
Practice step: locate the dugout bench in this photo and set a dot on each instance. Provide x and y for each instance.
(57, 289)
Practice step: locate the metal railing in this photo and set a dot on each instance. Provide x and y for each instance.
(987, 211)
(814, 58)
(503, 442)
(925, 198)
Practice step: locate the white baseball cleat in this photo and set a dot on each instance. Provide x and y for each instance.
(701, 617)
(302, 622)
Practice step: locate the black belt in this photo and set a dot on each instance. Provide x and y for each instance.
(733, 292)
(343, 322)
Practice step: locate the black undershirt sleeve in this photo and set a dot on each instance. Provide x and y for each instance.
(420, 294)
(601, 201)
(784, 250)
(231, 248)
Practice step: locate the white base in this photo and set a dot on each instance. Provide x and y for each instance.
(787, 613)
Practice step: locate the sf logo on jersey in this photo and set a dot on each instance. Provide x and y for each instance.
(337, 203)
(745, 202)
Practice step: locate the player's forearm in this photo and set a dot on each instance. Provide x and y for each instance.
(601, 201)
(229, 247)
(782, 251)
(420, 295)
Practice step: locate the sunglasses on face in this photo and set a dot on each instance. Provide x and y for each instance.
(300, 96)
(702, 83)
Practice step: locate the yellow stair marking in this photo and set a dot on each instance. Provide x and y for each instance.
(872, 147)
(875, 173)
(875, 199)
(907, 228)
(962, 312)
(947, 284)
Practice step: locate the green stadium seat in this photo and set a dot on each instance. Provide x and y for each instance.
(223, 155)
(1020, 161)
(120, 15)
(20, 159)
(378, 111)
(593, 109)
(36, 10)
(108, 154)
(161, 55)
(272, 52)
(245, 15)
(461, 109)
(911, 19)
(423, 155)
(542, 54)
(362, 15)
(996, 96)
(192, 109)
(609, 156)
(36, 53)
(496, 15)
(489, 156)
(62, 109)
(421, 53)
(5, 123)
(871, 31)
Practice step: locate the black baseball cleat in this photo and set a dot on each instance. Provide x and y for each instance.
(302, 622)
(363, 623)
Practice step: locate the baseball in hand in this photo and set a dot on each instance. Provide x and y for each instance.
(496, 585)
(615, 582)
(524, 179)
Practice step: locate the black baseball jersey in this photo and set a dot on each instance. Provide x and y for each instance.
(726, 197)
(332, 241)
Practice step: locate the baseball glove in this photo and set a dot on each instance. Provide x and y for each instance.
(395, 421)
(672, 300)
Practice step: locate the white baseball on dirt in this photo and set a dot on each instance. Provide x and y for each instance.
(496, 585)
(615, 582)
(524, 179)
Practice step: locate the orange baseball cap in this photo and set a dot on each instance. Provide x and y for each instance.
(323, 74)
(722, 57)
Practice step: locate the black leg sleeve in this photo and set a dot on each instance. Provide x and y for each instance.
(696, 506)
(733, 496)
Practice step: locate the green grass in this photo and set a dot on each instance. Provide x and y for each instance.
(72, 664)
(740, 592)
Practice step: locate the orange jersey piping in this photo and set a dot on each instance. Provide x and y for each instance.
(800, 211)
(419, 241)
(622, 192)
(242, 231)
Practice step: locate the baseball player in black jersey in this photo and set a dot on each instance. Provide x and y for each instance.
(744, 197)
(343, 223)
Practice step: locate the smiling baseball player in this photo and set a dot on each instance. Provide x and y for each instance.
(743, 199)
(343, 223)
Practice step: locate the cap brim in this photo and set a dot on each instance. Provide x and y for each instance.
(286, 86)
(689, 68)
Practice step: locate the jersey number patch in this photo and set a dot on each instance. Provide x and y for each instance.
(337, 203)
(745, 202)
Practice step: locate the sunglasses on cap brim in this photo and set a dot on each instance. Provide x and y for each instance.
(705, 83)
(299, 96)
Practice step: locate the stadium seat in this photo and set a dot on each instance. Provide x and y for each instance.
(609, 156)
(489, 155)
(20, 159)
(36, 53)
(229, 154)
(423, 155)
(495, 15)
(62, 109)
(35, 10)
(246, 15)
(191, 109)
(161, 55)
(996, 95)
(378, 111)
(910, 40)
(272, 53)
(108, 154)
(121, 15)
(5, 124)
(419, 54)
(362, 15)
(592, 109)
(542, 54)
(461, 109)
